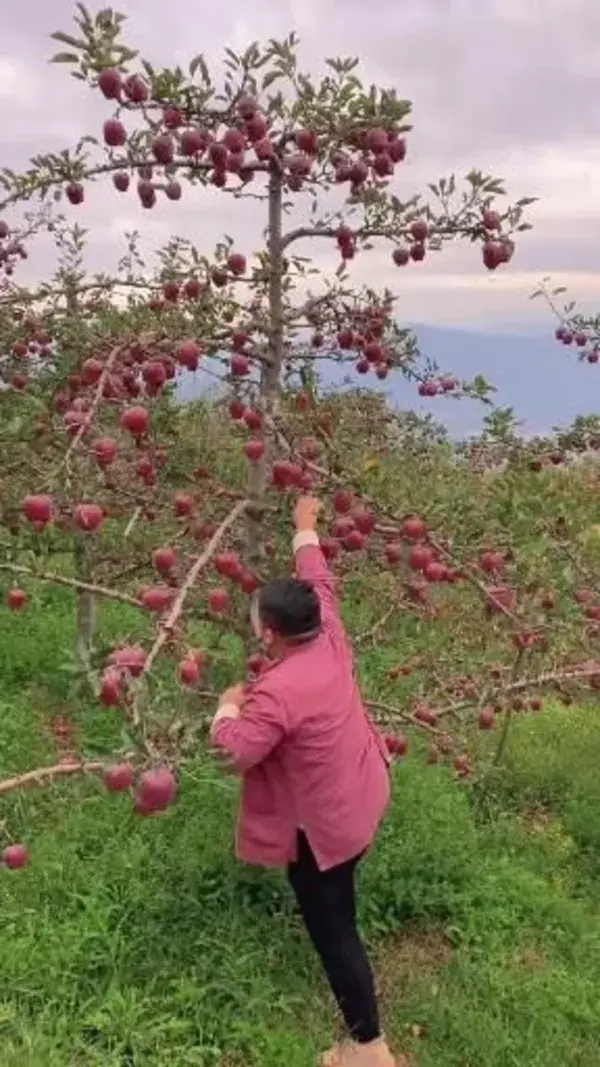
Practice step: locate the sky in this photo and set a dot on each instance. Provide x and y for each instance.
(509, 86)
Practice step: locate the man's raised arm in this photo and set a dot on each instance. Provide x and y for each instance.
(311, 565)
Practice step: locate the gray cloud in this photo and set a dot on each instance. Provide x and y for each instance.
(512, 86)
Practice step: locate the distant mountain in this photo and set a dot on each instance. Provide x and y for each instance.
(544, 382)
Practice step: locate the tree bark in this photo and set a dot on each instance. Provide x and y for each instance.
(270, 383)
(86, 605)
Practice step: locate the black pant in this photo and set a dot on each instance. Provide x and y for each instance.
(328, 906)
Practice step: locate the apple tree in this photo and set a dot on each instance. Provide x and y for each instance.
(103, 463)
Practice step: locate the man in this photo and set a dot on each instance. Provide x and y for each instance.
(315, 776)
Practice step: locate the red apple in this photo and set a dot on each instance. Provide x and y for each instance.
(109, 82)
(189, 670)
(254, 450)
(486, 719)
(188, 355)
(74, 192)
(164, 559)
(239, 365)
(419, 230)
(330, 547)
(156, 790)
(136, 420)
(236, 263)
(419, 557)
(392, 552)
(193, 142)
(183, 504)
(397, 744)
(163, 148)
(192, 289)
(236, 409)
(136, 89)
(38, 508)
(115, 133)
(158, 598)
(253, 419)
(131, 659)
(400, 256)
(282, 474)
(15, 856)
(229, 565)
(234, 140)
(218, 601)
(88, 516)
(491, 561)
(16, 599)
(354, 541)
(343, 501)
(364, 521)
(110, 689)
(104, 450)
(118, 778)
(413, 528)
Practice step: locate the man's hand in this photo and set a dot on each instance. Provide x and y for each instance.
(231, 698)
(306, 513)
(235, 695)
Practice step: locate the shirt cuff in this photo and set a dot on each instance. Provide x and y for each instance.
(304, 538)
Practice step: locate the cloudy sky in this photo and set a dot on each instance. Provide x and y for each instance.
(510, 86)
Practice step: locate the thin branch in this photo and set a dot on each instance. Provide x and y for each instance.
(540, 681)
(96, 401)
(364, 232)
(368, 635)
(134, 518)
(72, 583)
(402, 716)
(48, 774)
(508, 714)
(474, 581)
(192, 576)
(43, 184)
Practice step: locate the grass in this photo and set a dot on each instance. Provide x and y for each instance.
(141, 943)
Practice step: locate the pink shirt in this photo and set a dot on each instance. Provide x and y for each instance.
(310, 756)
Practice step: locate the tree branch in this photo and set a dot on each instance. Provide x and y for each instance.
(192, 576)
(47, 774)
(73, 583)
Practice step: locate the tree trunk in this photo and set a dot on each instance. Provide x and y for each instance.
(86, 608)
(271, 371)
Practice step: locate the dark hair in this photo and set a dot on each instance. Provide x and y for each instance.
(290, 608)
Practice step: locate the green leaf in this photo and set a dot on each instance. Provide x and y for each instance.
(126, 54)
(233, 57)
(199, 64)
(84, 13)
(271, 77)
(65, 38)
(65, 57)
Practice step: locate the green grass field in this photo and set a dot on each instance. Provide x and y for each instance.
(141, 943)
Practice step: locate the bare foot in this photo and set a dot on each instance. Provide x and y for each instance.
(374, 1054)
(334, 1056)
